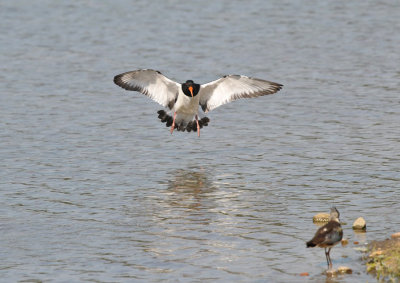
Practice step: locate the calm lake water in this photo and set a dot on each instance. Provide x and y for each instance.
(94, 188)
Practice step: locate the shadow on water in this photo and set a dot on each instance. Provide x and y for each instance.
(190, 188)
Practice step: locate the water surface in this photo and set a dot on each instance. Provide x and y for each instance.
(94, 188)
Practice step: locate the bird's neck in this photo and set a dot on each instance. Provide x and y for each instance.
(334, 219)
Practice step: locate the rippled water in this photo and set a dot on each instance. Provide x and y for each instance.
(94, 188)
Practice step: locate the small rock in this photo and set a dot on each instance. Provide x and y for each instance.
(396, 235)
(376, 253)
(331, 272)
(361, 249)
(344, 270)
(359, 224)
(344, 242)
(304, 274)
(321, 217)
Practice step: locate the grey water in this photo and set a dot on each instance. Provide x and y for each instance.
(94, 188)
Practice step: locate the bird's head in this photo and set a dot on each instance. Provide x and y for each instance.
(334, 214)
(190, 88)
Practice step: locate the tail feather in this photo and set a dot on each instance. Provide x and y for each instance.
(310, 244)
(182, 123)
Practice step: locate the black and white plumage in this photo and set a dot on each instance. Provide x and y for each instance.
(328, 235)
(184, 99)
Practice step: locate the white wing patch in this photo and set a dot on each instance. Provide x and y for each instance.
(233, 87)
(151, 83)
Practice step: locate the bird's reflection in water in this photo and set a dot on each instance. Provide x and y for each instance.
(190, 188)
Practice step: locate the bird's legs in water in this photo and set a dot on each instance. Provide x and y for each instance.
(328, 258)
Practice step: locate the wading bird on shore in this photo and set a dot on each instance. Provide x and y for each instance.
(328, 235)
(184, 99)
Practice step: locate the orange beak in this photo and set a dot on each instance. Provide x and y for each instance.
(191, 90)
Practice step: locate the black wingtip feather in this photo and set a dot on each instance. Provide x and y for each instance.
(117, 78)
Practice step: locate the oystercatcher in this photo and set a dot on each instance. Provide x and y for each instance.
(328, 235)
(184, 99)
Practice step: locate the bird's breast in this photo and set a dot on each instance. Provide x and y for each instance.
(185, 104)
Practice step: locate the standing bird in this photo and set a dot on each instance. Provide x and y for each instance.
(184, 99)
(328, 235)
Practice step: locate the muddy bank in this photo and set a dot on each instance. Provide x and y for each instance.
(383, 259)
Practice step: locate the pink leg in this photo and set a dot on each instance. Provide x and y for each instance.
(198, 126)
(173, 123)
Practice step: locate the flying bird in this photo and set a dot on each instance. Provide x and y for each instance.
(183, 100)
(328, 235)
